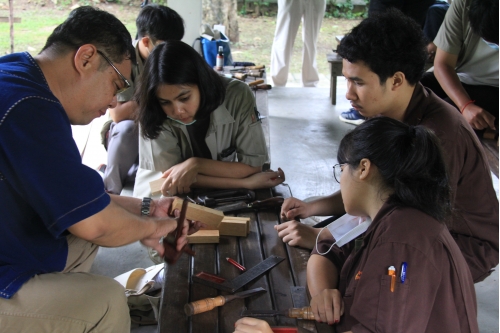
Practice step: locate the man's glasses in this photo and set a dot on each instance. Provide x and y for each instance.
(127, 84)
(337, 170)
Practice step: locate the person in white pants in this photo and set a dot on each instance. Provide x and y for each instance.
(290, 13)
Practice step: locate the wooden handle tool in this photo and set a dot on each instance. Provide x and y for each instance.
(299, 313)
(256, 82)
(208, 304)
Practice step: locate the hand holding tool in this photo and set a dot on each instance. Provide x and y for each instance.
(208, 304)
(266, 203)
(171, 255)
(299, 313)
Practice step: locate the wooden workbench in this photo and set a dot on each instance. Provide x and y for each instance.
(261, 243)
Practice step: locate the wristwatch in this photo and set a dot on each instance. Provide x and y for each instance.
(145, 206)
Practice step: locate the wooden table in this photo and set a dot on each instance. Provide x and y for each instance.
(261, 243)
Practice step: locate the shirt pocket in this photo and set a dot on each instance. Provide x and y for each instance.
(227, 155)
(392, 305)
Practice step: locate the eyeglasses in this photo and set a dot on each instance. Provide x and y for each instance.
(337, 170)
(127, 84)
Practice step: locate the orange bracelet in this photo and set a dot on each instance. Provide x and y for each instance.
(469, 102)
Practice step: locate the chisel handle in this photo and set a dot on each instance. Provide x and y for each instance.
(254, 83)
(301, 313)
(203, 305)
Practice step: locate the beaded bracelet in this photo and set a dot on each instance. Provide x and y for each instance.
(469, 102)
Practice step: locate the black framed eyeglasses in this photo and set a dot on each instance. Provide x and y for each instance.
(127, 84)
(337, 170)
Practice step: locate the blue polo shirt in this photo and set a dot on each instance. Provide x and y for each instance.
(44, 187)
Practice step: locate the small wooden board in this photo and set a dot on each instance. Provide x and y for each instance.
(234, 226)
(204, 237)
(155, 186)
(209, 216)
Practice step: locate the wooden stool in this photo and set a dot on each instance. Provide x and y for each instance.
(336, 70)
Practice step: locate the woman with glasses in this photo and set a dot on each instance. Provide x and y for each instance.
(197, 129)
(406, 272)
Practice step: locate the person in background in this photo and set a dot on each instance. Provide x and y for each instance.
(155, 24)
(197, 129)
(405, 273)
(376, 87)
(290, 14)
(466, 63)
(55, 211)
(429, 14)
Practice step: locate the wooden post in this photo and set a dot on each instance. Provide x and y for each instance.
(11, 23)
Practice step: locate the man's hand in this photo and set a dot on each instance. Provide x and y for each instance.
(265, 179)
(165, 226)
(295, 233)
(293, 208)
(328, 306)
(478, 117)
(179, 178)
(252, 325)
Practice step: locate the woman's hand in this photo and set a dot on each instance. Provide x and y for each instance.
(180, 177)
(328, 306)
(293, 209)
(265, 179)
(252, 325)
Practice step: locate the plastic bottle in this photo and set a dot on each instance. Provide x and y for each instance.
(219, 63)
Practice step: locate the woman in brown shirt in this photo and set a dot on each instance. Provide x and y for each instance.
(402, 186)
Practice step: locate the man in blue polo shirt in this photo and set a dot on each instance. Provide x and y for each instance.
(54, 210)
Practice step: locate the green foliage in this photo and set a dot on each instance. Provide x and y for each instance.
(345, 10)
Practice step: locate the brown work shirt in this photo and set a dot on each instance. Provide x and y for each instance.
(475, 224)
(438, 293)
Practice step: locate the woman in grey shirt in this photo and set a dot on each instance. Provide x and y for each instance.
(197, 129)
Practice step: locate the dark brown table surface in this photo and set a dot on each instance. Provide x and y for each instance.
(261, 243)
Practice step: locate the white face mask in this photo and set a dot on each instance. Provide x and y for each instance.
(180, 122)
(345, 229)
(492, 45)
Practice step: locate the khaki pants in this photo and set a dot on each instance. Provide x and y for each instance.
(70, 301)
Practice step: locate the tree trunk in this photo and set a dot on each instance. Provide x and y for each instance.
(222, 12)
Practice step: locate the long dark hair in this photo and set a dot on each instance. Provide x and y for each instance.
(175, 63)
(409, 160)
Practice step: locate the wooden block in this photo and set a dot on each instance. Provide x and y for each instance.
(204, 236)
(195, 212)
(234, 226)
(155, 186)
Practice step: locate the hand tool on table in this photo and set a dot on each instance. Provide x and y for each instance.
(220, 283)
(263, 86)
(256, 82)
(208, 304)
(266, 203)
(171, 255)
(299, 313)
(211, 199)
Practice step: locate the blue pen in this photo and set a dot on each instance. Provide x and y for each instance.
(404, 265)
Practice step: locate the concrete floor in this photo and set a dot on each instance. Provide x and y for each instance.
(304, 134)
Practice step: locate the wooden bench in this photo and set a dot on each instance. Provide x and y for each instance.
(335, 70)
(280, 281)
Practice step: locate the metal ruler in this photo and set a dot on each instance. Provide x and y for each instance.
(217, 282)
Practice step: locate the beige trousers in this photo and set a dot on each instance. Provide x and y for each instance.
(70, 301)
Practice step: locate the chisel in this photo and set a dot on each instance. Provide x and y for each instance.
(208, 304)
(299, 313)
(266, 203)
